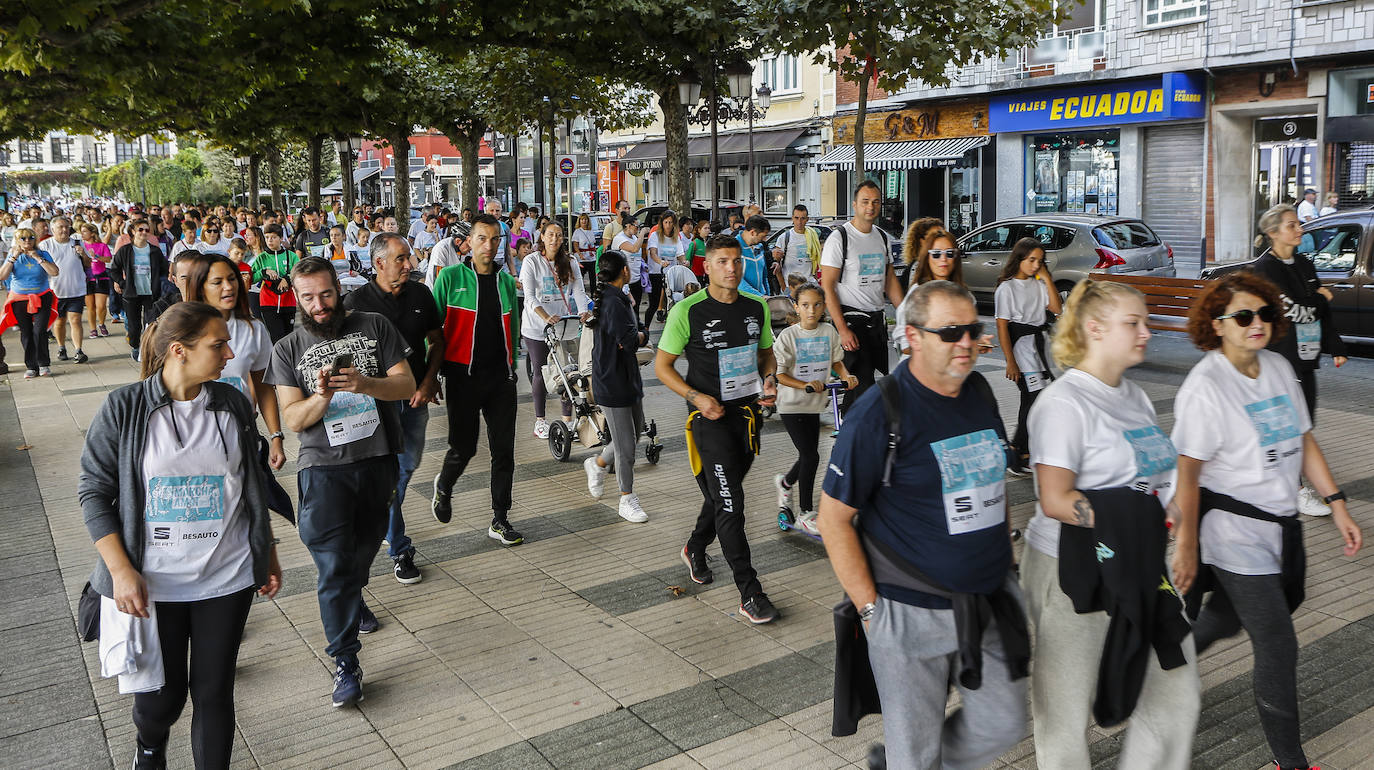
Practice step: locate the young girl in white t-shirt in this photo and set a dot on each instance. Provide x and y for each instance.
(807, 351)
(1024, 299)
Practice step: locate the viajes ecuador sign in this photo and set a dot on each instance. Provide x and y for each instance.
(1171, 96)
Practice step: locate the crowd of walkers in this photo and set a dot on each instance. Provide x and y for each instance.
(1144, 549)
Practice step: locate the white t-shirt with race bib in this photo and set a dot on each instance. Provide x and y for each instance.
(669, 250)
(1249, 434)
(70, 280)
(196, 533)
(1108, 436)
(796, 256)
(1024, 301)
(252, 348)
(633, 258)
(863, 271)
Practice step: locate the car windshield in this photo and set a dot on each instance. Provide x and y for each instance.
(1125, 235)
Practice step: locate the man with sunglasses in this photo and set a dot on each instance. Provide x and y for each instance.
(358, 222)
(931, 550)
(857, 275)
(139, 269)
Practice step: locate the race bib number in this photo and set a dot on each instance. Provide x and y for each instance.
(237, 382)
(668, 251)
(973, 480)
(1309, 340)
(872, 269)
(548, 289)
(1035, 381)
(1154, 452)
(316, 251)
(350, 417)
(813, 359)
(184, 516)
(739, 372)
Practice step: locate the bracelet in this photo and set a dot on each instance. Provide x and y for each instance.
(277, 434)
(1329, 499)
(866, 612)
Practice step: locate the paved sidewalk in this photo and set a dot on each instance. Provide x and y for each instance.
(588, 646)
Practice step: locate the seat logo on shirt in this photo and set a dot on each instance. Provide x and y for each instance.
(162, 533)
(1104, 552)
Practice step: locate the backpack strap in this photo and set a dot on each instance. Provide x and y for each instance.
(892, 408)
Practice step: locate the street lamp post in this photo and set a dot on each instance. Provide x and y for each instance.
(241, 163)
(765, 95)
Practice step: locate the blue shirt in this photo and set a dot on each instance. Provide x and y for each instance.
(755, 279)
(28, 276)
(945, 511)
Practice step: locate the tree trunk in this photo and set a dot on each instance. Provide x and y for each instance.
(316, 163)
(346, 181)
(859, 171)
(470, 144)
(254, 165)
(400, 147)
(675, 140)
(274, 179)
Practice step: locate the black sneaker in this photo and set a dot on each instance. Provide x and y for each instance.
(133, 353)
(662, 316)
(758, 609)
(442, 503)
(367, 623)
(348, 682)
(62, 355)
(504, 532)
(406, 571)
(696, 566)
(81, 357)
(146, 758)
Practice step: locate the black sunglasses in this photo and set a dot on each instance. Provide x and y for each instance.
(211, 230)
(956, 332)
(1244, 318)
(28, 238)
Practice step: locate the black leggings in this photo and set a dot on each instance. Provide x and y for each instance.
(210, 630)
(278, 320)
(655, 296)
(637, 294)
(1256, 603)
(1020, 441)
(33, 330)
(805, 432)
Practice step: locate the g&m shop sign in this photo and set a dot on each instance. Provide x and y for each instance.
(1172, 96)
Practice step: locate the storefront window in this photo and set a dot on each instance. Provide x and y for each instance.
(773, 180)
(963, 200)
(1073, 172)
(892, 212)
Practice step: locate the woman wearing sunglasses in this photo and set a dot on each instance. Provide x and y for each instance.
(30, 302)
(1094, 429)
(1244, 436)
(1306, 305)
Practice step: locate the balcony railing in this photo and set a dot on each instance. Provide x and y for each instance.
(1078, 50)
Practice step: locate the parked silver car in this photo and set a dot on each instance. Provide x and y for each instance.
(1075, 245)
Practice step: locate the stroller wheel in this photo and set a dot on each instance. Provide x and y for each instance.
(652, 452)
(766, 411)
(560, 440)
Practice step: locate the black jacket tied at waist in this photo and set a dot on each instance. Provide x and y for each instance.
(1041, 333)
(1292, 565)
(1118, 566)
(856, 692)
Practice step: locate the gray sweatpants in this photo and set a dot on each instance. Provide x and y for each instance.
(1068, 649)
(624, 423)
(914, 652)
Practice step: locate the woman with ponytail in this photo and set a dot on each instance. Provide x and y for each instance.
(616, 384)
(173, 497)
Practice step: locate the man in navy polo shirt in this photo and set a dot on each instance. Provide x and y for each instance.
(942, 510)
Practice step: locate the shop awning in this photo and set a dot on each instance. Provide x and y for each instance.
(365, 173)
(925, 153)
(770, 145)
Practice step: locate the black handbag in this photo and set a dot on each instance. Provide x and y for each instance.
(88, 614)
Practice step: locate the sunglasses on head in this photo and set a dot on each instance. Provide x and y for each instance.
(956, 332)
(943, 253)
(1244, 318)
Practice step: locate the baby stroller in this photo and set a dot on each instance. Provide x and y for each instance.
(677, 279)
(569, 372)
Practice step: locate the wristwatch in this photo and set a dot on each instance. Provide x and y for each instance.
(866, 612)
(278, 434)
(1329, 499)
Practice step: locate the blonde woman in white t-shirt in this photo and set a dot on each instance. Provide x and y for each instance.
(1093, 429)
(1244, 435)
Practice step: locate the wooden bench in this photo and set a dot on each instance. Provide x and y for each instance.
(1167, 299)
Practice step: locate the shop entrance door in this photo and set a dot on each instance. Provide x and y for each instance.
(1285, 160)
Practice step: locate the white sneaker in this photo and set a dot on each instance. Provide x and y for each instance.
(596, 477)
(784, 492)
(630, 510)
(807, 523)
(541, 428)
(1311, 505)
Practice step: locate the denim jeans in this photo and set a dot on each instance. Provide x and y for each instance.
(414, 421)
(342, 520)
